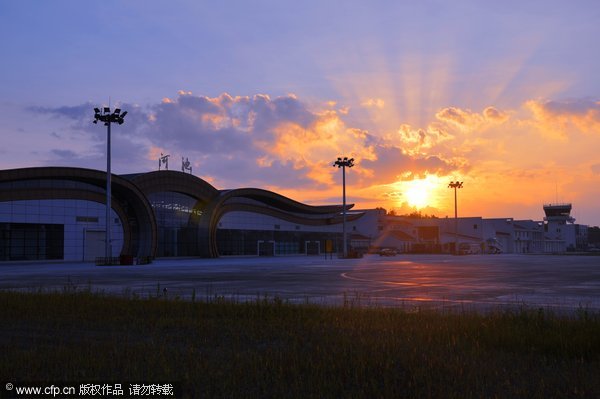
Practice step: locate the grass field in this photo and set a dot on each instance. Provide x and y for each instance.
(270, 349)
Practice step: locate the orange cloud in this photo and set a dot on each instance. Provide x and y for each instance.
(495, 115)
(467, 120)
(417, 141)
(373, 103)
(561, 119)
(314, 146)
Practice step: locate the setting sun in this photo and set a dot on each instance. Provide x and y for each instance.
(420, 193)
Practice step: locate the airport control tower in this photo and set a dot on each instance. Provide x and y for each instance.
(558, 214)
(560, 228)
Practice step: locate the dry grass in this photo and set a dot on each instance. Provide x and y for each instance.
(268, 348)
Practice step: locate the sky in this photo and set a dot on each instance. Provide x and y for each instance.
(503, 96)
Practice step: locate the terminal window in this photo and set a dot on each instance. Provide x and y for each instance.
(31, 241)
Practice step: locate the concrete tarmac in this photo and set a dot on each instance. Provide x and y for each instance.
(472, 282)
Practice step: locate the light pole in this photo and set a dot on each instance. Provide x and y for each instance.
(344, 163)
(455, 185)
(107, 117)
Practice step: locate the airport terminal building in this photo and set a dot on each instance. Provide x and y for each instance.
(60, 213)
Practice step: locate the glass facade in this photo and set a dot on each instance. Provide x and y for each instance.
(239, 233)
(247, 233)
(263, 242)
(177, 218)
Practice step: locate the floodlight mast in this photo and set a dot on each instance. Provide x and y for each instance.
(107, 117)
(455, 185)
(344, 163)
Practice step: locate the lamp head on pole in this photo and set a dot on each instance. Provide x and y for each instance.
(344, 163)
(107, 117)
(456, 184)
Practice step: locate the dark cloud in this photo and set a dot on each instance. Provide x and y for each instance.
(181, 128)
(232, 138)
(196, 104)
(82, 117)
(226, 136)
(224, 123)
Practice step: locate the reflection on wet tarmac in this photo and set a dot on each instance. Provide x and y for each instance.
(476, 282)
